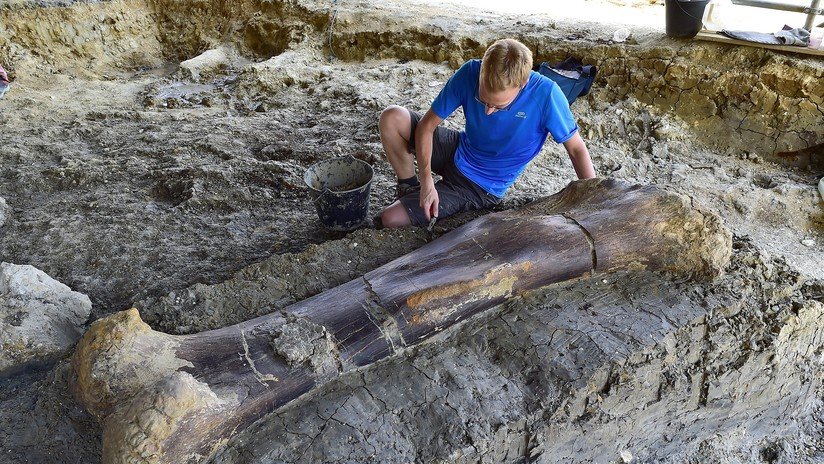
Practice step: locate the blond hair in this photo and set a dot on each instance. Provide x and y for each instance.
(506, 65)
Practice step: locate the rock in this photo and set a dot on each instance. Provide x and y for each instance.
(781, 189)
(808, 242)
(5, 211)
(626, 456)
(620, 35)
(301, 341)
(208, 63)
(720, 174)
(40, 318)
(680, 172)
(276, 73)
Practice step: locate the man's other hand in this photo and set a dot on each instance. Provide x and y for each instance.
(429, 200)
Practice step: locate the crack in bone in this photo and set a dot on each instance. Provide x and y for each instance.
(383, 319)
(590, 241)
(261, 377)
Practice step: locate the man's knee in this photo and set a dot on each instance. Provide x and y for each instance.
(394, 119)
(395, 215)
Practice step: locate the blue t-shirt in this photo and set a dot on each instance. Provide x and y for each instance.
(494, 149)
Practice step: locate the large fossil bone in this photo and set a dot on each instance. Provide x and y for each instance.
(172, 399)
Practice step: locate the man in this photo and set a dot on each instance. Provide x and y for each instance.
(510, 110)
(4, 82)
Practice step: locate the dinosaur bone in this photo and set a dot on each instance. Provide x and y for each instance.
(171, 399)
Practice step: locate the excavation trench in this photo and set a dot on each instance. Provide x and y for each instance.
(756, 101)
(178, 190)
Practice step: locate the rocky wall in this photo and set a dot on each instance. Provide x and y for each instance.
(736, 99)
(83, 39)
(258, 28)
(752, 100)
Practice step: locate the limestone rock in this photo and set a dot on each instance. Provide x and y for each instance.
(40, 318)
(5, 211)
(278, 72)
(821, 188)
(208, 63)
(301, 341)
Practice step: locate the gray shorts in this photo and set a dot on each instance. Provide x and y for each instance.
(456, 193)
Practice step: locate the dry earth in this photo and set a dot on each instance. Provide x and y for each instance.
(136, 180)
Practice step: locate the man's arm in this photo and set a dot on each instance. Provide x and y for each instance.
(423, 152)
(579, 155)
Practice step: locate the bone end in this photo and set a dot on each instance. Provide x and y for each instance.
(95, 361)
(151, 427)
(131, 378)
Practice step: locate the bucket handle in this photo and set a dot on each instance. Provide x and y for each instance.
(686, 13)
(325, 191)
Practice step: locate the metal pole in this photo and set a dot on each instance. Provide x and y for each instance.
(812, 11)
(808, 25)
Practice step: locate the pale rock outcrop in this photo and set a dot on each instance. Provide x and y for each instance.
(209, 63)
(40, 318)
(5, 211)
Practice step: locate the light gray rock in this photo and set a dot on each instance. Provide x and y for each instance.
(40, 318)
(208, 63)
(5, 211)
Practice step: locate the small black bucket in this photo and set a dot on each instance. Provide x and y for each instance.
(340, 189)
(685, 17)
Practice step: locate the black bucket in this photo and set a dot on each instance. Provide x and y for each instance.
(685, 17)
(340, 189)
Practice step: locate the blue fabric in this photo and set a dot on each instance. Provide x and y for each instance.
(572, 87)
(494, 149)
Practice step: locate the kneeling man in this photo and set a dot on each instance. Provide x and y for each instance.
(510, 110)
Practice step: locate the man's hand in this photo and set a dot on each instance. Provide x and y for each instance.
(429, 199)
(423, 143)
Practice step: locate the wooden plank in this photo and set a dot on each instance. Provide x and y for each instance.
(715, 37)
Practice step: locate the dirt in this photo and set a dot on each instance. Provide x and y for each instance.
(139, 182)
(346, 187)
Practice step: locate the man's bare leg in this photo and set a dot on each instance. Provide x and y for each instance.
(395, 215)
(395, 126)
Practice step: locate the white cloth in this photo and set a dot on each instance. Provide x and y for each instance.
(799, 37)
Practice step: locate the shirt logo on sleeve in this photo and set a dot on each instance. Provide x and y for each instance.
(521, 115)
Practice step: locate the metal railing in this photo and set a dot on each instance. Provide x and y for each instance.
(811, 11)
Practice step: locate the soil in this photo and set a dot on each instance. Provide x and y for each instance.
(347, 186)
(140, 183)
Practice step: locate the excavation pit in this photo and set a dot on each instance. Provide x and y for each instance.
(136, 181)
